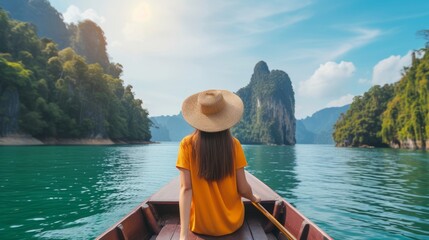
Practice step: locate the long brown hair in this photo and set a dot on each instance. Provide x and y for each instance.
(214, 153)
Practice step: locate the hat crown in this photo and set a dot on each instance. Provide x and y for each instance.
(212, 110)
(211, 102)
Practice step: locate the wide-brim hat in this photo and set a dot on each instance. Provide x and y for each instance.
(212, 110)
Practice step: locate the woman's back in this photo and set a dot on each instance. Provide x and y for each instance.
(216, 207)
(211, 164)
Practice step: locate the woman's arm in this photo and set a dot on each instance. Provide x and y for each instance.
(185, 202)
(244, 188)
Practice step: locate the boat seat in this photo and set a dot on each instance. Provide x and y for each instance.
(251, 229)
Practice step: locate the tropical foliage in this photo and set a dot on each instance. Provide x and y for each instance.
(361, 124)
(395, 114)
(407, 115)
(50, 93)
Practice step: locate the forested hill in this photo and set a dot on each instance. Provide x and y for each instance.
(395, 114)
(86, 37)
(51, 93)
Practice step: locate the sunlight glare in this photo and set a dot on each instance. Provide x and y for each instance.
(141, 13)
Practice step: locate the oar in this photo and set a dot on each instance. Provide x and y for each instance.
(274, 221)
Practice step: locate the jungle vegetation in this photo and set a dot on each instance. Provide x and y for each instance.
(395, 114)
(51, 93)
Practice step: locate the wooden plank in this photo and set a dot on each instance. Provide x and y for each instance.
(167, 232)
(150, 217)
(171, 220)
(271, 236)
(168, 193)
(242, 234)
(256, 229)
(315, 234)
(134, 226)
(111, 235)
(293, 221)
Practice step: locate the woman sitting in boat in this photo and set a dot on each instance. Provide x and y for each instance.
(211, 164)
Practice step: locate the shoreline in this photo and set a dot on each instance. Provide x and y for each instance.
(26, 140)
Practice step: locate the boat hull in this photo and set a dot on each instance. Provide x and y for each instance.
(158, 218)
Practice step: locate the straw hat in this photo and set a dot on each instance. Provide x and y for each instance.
(212, 110)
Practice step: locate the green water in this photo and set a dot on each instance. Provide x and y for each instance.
(77, 192)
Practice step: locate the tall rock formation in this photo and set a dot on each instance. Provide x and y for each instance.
(269, 108)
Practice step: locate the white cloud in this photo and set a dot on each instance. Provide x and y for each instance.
(389, 69)
(73, 15)
(327, 79)
(343, 100)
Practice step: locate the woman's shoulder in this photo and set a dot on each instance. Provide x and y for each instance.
(236, 141)
(186, 140)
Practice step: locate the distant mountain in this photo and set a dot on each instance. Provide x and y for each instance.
(303, 135)
(169, 128)
(318, 128)
(269, 108)
(48, 21)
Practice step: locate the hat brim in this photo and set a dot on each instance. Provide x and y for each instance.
(222, 120)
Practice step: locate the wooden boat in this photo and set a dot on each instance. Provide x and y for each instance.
(158, 218)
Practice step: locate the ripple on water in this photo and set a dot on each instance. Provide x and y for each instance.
(57, 191)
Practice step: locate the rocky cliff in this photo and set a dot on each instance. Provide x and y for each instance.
(269, 108)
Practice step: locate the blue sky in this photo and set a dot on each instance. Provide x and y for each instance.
(331, 50)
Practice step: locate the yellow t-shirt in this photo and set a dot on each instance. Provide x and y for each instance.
(216, 207)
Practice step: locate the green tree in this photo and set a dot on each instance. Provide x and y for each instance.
(407, 115)
(361, 124)
(58, 94)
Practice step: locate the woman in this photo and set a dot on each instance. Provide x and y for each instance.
(211, 164)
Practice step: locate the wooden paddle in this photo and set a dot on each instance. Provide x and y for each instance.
(274, 221)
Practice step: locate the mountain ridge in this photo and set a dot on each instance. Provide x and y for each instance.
(318, 128)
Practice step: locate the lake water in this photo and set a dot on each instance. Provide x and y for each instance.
(77, 192)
